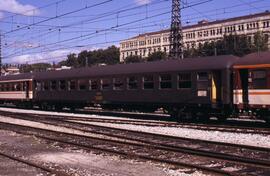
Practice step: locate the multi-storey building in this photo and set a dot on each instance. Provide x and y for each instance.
(194, 35)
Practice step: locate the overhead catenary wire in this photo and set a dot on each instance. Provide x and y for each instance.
(114, 27)
(54, 46)
(58, 16)
(204, 12)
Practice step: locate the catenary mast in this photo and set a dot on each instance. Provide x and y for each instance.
(176, 35)
(0, 53)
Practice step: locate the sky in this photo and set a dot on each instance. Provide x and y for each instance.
(34, 31)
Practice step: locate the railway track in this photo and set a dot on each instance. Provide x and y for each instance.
(209, 127)
(151, 123)
(171, 146)
(48, 170)
(164, 121)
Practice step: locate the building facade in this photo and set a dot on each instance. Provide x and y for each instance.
(194, 35)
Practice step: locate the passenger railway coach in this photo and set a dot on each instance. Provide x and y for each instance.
(191, 88)
(16, 88)
(252, 83)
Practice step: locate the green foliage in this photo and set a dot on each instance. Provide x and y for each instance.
(159, 55)
(107, 56)
(238, 45)
(260, 42)
(71, 61)
(39, 67)
(133, 59)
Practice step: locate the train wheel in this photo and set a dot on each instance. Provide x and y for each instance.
(202, 117)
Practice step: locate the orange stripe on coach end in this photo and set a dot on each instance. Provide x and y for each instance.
(251, 66)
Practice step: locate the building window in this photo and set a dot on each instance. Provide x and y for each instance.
(105, 84)
(205, 33)
(148, 82)
(118, 84)
(132, 83)
(265, 24)
(165, 81)
(184, 81)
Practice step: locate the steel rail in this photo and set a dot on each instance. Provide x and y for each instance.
(145, 157)
(29, 163)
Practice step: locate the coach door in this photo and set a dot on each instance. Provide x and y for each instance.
(216, 87)
(244, 85)
(26, 86)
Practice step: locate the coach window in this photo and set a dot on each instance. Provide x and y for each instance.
(93, 84)
(82, 84)
(148, 82)
(72, 85)
(46, 85)
(5, 87)
(259, 79)
(8, 87)
(2, 87)
(184, 81)
(165, 81)
(53, 85)
(38, 86)
(19, 87)
(62, 85)
(202, 80)
(12, 85)
(105, 84)
(132, 83)
(118, 84)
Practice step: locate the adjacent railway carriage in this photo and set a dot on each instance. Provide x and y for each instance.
(252, 83)
(191, 88)
(16, 88)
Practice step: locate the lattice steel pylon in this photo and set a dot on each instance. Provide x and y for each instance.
(176, 35)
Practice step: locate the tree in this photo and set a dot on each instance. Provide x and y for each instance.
(71, 61)
(159, 55)
(260, 42)
(238, 45)
(107, 56)
(38, 67)
(133, 59)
